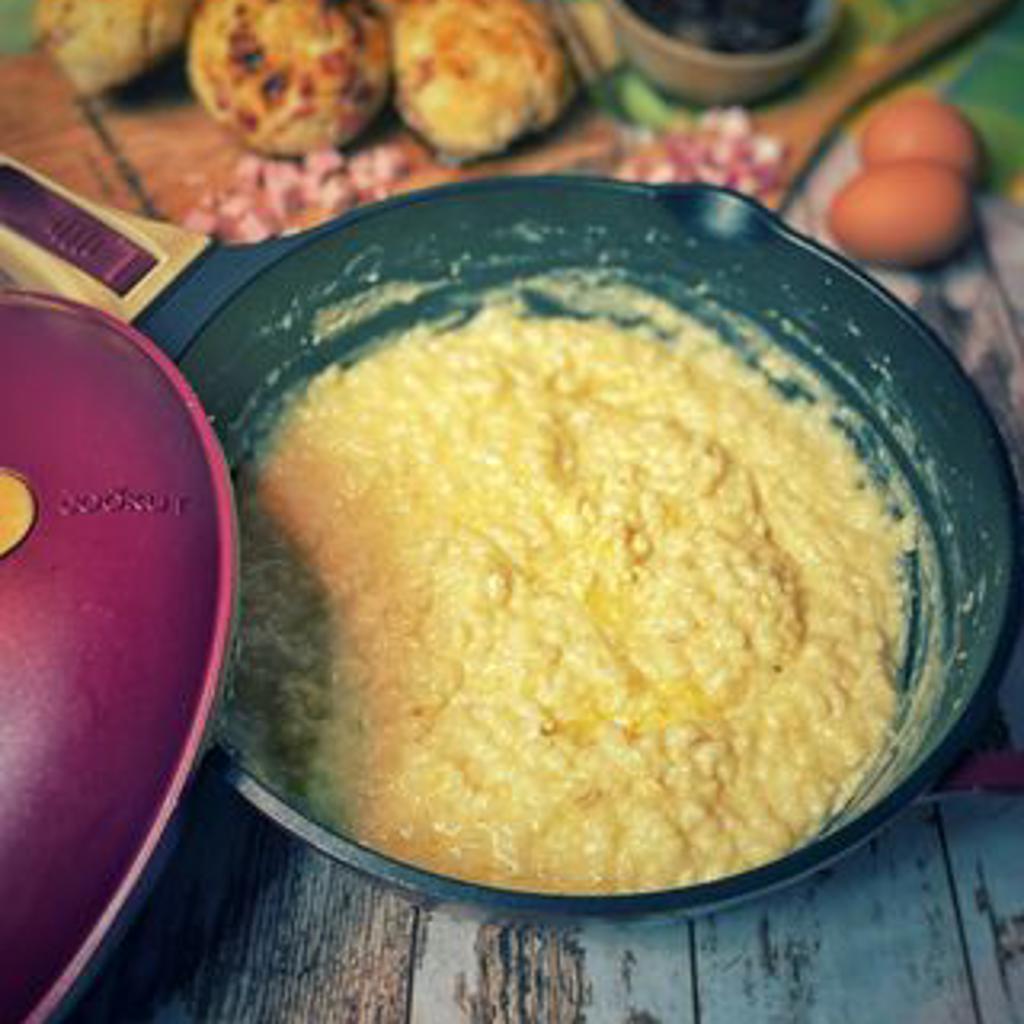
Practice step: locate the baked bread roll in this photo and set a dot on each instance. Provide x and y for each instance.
(290, 77)
(471, 76)
(103, 43)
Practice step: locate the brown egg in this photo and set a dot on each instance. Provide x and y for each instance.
(920, 127)
(907, 214)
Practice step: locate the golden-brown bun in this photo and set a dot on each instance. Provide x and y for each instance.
(473, 75)
(103, 43)
(290, 76)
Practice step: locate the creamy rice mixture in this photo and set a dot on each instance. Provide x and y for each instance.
(577, 611)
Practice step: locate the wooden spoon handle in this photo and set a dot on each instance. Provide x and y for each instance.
(903, 52)
(805, 129)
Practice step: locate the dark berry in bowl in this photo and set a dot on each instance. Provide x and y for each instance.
(729, 26)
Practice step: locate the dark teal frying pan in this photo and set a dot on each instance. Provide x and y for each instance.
(246, 324)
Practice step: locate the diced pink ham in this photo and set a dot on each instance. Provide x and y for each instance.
(251, 228)
(362, 172)
(249, 171)
(203, 221)
(337, 195)
(322, 162)
(270, 197)
(284, 172)
(389, 163)
(722, 148)
(282, 189)
(234, 205)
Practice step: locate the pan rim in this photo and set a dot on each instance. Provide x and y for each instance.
(432, 887)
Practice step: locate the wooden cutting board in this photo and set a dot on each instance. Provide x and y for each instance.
(151, 148)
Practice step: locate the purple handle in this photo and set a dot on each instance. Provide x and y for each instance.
(996, 770)
(68, 232)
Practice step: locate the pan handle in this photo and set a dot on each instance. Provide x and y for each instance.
(996, 771)
(52, 240)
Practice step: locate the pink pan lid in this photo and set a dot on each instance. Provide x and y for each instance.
(117, 593)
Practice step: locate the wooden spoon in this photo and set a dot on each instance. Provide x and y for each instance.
(803, 124)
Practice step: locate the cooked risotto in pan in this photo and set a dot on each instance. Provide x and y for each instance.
(586, 612)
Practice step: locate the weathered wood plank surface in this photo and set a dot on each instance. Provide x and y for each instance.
(501, 973)
(250, 925)
(976, 304)
(874, 939)
(986, 848)
(639, 973)
(987, 857)
(601, 973)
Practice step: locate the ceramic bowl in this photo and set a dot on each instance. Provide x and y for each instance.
(700, 75)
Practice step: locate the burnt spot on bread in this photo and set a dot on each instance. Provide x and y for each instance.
(274, 87)
(247, 119)
(355, 27)
(362, 92)
(245, 50)
(336, 64)
(348, 122)
(341, 10)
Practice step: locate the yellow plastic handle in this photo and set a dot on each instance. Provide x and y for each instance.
(54, 241)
